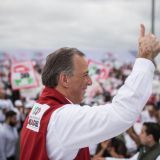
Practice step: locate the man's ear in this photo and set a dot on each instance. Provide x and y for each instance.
(150, 138)
(63, 79)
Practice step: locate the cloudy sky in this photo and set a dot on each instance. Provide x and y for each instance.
(90, 25)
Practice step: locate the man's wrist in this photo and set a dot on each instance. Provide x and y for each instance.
(146, 57)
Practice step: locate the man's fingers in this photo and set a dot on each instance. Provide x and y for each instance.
(142, 31)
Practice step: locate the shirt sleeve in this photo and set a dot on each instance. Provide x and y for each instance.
(158, 158)
(76, 126)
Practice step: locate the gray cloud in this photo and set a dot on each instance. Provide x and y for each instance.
(86, 24)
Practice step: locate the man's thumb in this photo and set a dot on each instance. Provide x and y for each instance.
(142, 31)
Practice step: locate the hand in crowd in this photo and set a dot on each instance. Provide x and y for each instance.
(134, 136)
(105, 144)
(149, 45)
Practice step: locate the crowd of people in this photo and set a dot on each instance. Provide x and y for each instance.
(124, 146)
(15, 106)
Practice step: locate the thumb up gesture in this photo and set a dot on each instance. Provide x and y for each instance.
(149, 45)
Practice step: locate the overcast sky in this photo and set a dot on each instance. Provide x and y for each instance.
(93, 25)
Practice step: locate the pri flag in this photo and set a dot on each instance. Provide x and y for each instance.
(98, 71)
(23, 75)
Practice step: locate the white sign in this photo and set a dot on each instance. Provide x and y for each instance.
(35, 116)
(23, 75)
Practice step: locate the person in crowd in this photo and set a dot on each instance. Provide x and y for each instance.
(59, 128)
(5, 105)
(131, 140)
(28, 106)
(149, 114)
(150, 146)
(8, 137)
(111, 148)
(101, 150)
(19, 109)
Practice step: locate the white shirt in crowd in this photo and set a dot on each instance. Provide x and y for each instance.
(7, 105)
(8, 141)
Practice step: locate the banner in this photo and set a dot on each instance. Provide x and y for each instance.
(98, 71)
(23, 75)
